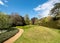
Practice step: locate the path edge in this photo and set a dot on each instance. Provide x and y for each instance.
(15, 37)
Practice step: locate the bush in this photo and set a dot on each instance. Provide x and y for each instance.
(50, 22)
(11, 32)
(4, 21)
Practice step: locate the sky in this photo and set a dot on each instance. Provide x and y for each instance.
(34, 8)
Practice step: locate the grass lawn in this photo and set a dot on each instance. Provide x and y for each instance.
(38, 34)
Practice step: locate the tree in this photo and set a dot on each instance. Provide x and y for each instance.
(27, 20)
(5, 22)
(34, 19)
(17, 19)
(56, 11)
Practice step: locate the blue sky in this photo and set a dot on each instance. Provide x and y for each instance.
(34, 8)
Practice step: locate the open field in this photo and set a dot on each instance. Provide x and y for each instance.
(38, 34)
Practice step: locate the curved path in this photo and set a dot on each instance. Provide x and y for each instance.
(14, 38)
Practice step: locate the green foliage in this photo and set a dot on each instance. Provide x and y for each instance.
(27, 20)
(48, 22)
(11, 32)
(5, 22)
(58, 24)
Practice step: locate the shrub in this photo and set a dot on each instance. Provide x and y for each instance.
(4, 21)
(11, 32)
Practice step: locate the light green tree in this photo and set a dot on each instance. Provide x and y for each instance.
(27, 20)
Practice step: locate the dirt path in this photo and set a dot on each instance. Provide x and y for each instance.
(14, 38)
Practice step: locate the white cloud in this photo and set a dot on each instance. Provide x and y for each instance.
(3, 2)
(44, 9)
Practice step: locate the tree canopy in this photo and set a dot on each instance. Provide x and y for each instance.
(55, 11)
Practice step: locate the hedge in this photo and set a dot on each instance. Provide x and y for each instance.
(5, 36)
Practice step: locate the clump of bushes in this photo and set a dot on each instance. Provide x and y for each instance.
(4, 21)
(6, 35)
(49, 22)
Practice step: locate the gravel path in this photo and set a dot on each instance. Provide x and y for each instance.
(14, 38)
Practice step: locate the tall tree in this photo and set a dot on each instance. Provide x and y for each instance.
(27, 20)
(17, 19)
(56, 10)
(56, 13)
(34, 19)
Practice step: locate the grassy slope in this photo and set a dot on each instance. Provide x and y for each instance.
(38, 34)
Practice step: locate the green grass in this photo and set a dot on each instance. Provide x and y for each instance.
(38, 34)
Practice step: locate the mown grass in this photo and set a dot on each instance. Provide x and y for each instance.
(38, 34)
